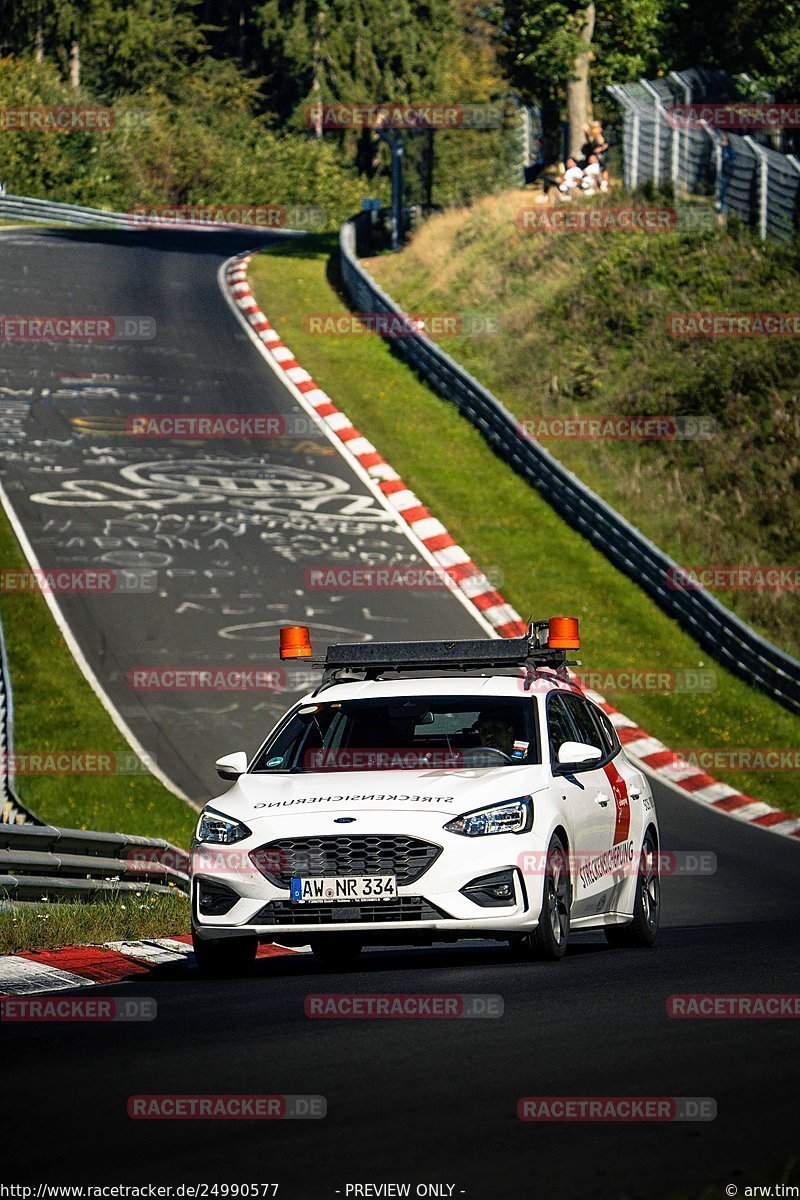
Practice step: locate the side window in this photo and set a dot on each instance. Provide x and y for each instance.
(584, 722)
(607, 730)
(559, 726)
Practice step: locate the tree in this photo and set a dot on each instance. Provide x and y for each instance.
(562, 53)
(542, 40)
(579, 96)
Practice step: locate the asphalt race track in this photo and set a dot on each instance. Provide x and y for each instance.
(211, 540)
(409, 1101)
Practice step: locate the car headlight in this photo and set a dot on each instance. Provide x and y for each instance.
(513, 816)
(220, 830)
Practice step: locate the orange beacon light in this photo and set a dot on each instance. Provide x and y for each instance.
(563, 633)
(295, 641)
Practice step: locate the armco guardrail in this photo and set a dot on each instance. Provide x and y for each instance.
(25, 208)
(719, 631)
(43, 862)
(50, 212)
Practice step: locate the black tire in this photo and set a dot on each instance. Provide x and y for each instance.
(224, 956)
(549, 939)
(337, 950)
(641, 931)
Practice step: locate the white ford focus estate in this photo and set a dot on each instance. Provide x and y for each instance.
(429, 791)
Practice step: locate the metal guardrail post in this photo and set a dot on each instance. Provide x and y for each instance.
(635, 142)
(394, 140)
(675, 161)
(794, 161)
(716, 150)
(686, 87)
(658, 111)
(630, 147)
(763, 186)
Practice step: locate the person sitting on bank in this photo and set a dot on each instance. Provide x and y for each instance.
(568, 182)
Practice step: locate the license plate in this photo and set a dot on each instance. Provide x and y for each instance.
(320, 890)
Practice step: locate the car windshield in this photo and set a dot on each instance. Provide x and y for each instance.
(405, 733)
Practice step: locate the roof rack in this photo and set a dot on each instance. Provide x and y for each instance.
(543, 645)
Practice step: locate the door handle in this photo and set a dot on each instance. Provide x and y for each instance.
(601, 800)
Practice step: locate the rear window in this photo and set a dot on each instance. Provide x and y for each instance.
(406, 733)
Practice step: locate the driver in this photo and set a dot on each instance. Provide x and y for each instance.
(497, 734)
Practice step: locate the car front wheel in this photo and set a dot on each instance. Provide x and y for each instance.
(549, 938)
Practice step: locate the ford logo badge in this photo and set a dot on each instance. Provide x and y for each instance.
(343, 820)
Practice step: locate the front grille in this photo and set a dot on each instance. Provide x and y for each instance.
(404, 908)
(371, 854)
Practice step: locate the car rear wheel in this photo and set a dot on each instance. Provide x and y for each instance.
(549, 938)
(642, 930)
(336, 951)
(224, 956)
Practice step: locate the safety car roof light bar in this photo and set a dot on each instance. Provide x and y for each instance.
(545, 644)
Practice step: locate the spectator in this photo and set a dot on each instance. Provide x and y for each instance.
(595, 143)
(568, 182)
(592, 175)
(727, 168)
(597, 146)
(537, 163)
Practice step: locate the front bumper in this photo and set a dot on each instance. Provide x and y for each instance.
(432, 904)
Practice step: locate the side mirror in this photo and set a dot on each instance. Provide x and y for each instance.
(574, 756)
(231, 766)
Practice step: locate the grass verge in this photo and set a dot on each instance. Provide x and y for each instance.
(543, 566)
(128, 918)
(583, 331)
(55, 709)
